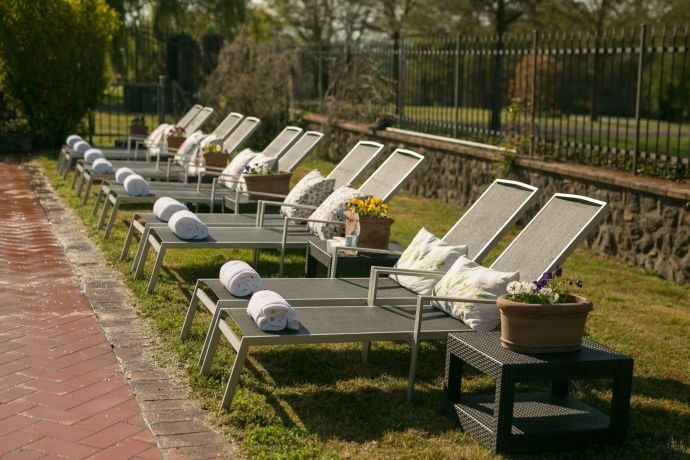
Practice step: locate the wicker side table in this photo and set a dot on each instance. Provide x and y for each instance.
(520, 422)
(359, 264)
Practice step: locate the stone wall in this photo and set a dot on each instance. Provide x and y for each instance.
(649, 223)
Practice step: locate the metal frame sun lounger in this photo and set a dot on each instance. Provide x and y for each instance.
(383, 183)
(201, 193)
(84, 176)
(480, 228)
(554, 233)
(346, 172)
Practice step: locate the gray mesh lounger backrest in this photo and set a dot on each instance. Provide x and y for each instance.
(228, 124)
(189, 116)
(199, 120)
(239, 135)
(491, 216)
(282, 142)
(299, 150)
(554, 233)
(350, 168)
(392, 174)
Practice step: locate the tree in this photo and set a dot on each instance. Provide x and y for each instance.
(53, 53)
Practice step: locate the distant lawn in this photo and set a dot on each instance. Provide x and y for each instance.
(321, 401)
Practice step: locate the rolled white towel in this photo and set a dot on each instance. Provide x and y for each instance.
(136, 185)
(122, 173)
(81, 147)
(102, 166)
(92, 155)
(73, 139)
(165, 207)
(271, 312)
(240, 279)
(186, 225)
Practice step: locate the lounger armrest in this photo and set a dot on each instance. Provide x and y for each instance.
(342, 249)
(261, 208)
(425, 299)
(307, 219)
(376, 271)
(266, 194)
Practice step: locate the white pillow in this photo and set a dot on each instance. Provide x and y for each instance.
(156, 136)
(428, 253)
(186, 151)
(311, 190)
(235, 168)
(332, 209)
(474, 283)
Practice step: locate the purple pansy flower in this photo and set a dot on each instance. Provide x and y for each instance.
(558, 271)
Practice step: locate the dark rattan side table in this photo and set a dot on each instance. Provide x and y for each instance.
(357, 265)
(520, 422)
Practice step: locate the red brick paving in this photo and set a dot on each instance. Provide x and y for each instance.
(62, 394)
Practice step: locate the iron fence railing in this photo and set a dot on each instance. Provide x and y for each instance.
(619, 99)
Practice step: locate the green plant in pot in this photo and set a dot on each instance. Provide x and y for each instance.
(263, 182)
(137, 126)
(368, 218)
(214, 156)
(175, 137)
(543, 316)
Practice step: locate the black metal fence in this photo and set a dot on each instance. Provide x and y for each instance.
(619, 99)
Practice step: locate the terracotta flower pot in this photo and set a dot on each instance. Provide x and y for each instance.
(543, 328)
(374, 232)
(174, 143)
(216, 160)
(278, 184)
(139, 130)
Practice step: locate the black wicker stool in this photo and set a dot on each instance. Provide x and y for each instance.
(519, 422)
(357, 265)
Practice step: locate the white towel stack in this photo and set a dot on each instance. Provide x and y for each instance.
(165, 207)
(92, 155)
(240, 279)
(136, 185)
(73, 139)
(271, 312)
(186, 225)
(122, 173)
(102, 166)
(81, 147)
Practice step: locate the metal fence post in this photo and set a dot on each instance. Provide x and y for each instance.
(456, 89)
(533, 94)
(399, 96)
(638, 96)
(161, 99)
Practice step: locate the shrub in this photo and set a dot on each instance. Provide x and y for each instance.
(253, 79)
(53, 55)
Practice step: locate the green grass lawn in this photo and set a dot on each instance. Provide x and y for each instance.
(321, 402)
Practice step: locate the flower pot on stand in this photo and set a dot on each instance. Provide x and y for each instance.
(278, 184)
(374, 232)
(543, 328)
(216, 160)
(138, 130)
(175, 143)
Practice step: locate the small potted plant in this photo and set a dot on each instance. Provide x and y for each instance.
(543, 316)
(368, 217)
(175, 137)
(264, 179)
(137, 126)
(214, 156)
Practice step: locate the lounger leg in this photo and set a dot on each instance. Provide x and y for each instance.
(67, 167)
(87, 191)
(80, 185)
(104, 211)
(366, 346)
(113, 216)
(208, 352)
(97, 203)
(191, 311)
(128, 241)
(156, 270)
(416, 338)
(61, 155)
(142, 253)
(255, 260)
(75, 178)
(235, 375)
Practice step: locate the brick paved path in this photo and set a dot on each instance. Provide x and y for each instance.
(61, 391)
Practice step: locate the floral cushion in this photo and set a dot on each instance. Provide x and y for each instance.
(429, 253)
(233, 170)
(473, 282)
(189, 146)
(311, 190)
(332, 209)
